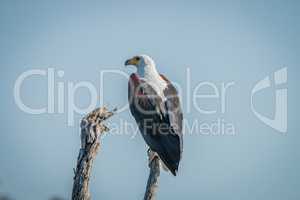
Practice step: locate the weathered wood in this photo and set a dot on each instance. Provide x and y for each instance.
(152, 183)
(91, 129)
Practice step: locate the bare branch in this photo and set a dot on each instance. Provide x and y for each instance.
(152, 183)
(91, 129)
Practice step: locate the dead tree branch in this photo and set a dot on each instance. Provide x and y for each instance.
(92, 128)
(152, 183)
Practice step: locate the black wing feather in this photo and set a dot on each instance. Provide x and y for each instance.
(160, 123)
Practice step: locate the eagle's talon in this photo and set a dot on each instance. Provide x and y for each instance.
(151, 155)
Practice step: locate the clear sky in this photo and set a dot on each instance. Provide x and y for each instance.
(218, 42)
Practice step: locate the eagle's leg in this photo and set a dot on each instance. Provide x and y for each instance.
(151, 155)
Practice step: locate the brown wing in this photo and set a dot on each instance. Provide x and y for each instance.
(157, 120)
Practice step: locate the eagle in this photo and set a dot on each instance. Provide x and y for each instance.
(155, 106)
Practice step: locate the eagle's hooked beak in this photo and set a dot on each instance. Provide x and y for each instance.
(133, 61)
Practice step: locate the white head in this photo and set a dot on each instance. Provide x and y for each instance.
(146, 69)
(144, 64)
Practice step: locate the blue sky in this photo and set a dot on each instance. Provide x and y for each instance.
(218, 41)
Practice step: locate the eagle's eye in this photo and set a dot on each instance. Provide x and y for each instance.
(137, 58)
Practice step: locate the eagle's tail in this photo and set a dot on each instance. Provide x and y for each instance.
(164, 167)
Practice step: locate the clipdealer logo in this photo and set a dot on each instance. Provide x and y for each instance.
(56, 88)
(279, 122)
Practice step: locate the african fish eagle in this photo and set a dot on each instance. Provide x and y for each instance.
(155, 105)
